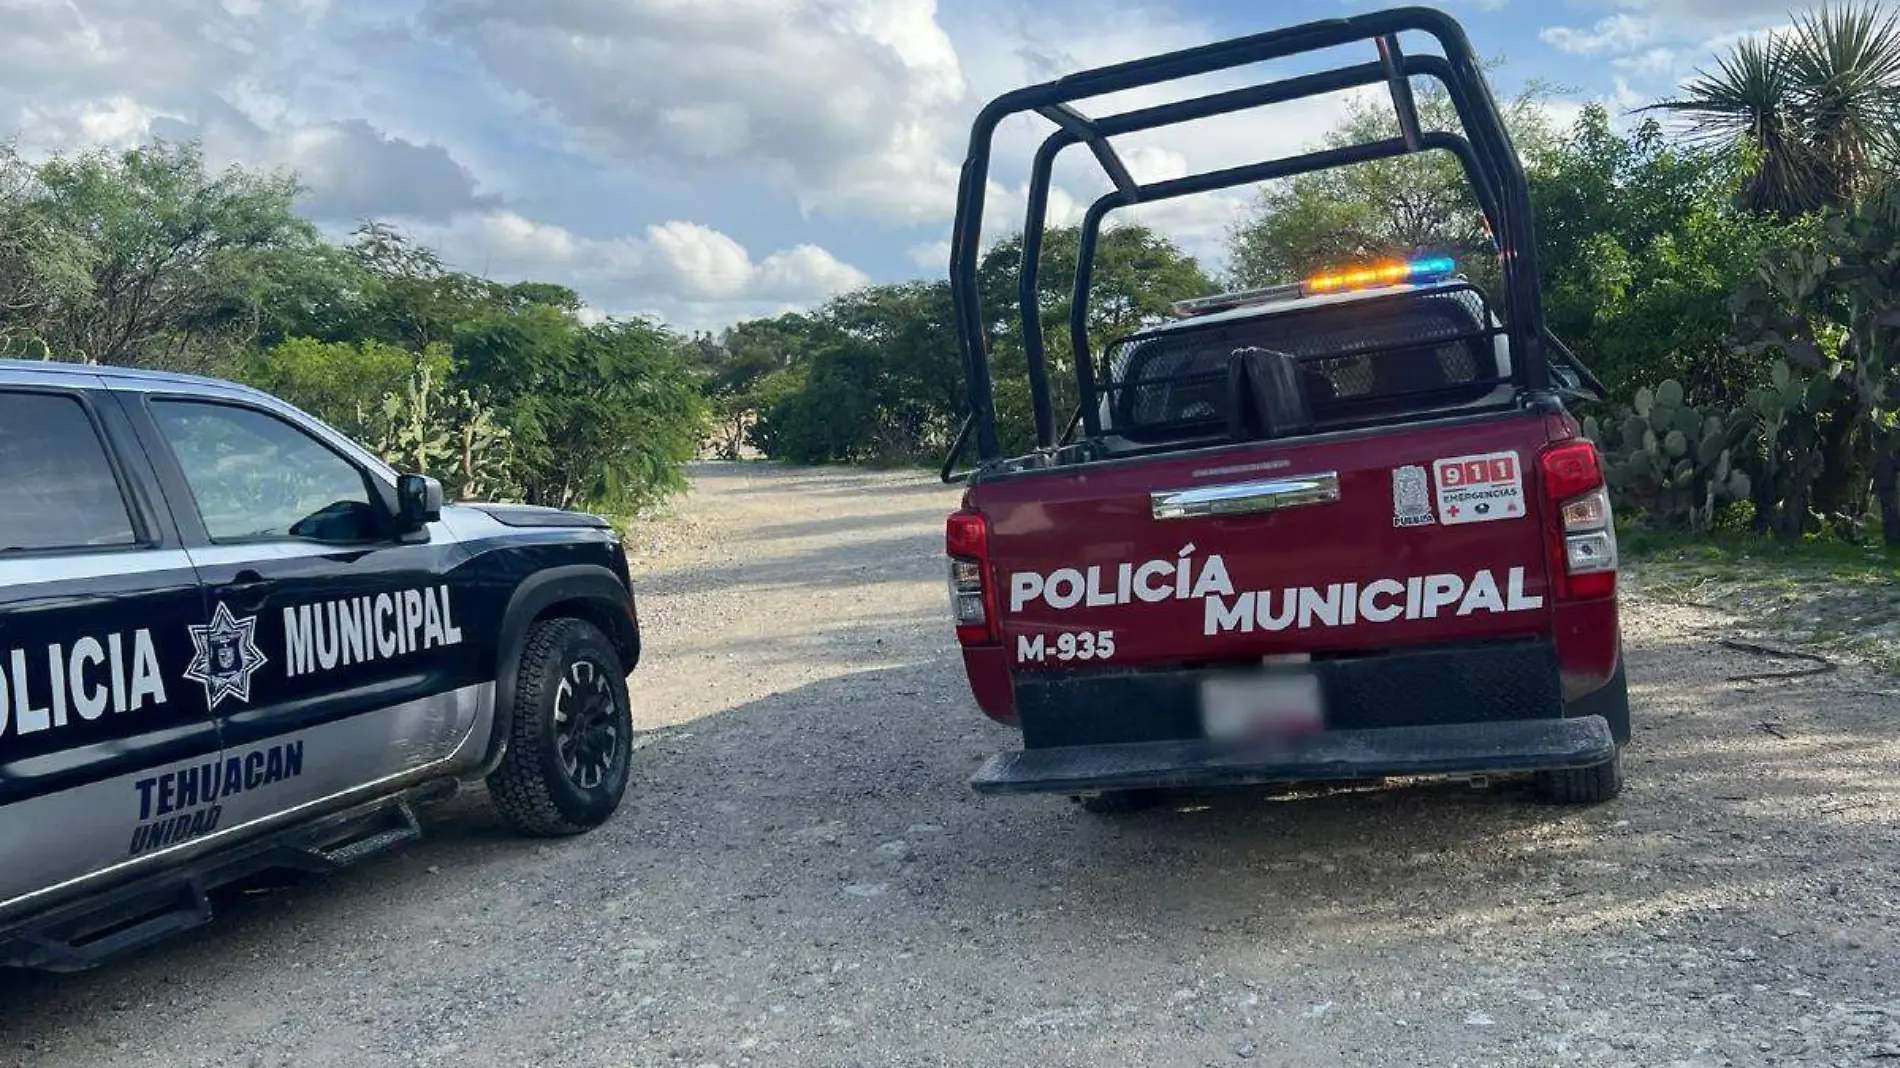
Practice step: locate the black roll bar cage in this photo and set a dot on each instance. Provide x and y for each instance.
(1179, 187)
(1490, 162)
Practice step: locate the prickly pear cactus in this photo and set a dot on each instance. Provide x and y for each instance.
(1673, 462)
(1789, 412)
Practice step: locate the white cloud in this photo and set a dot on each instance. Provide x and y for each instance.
(1687, 13)
(844, 102)
(857, 107)
(694, 276)
(1663, 39)
(1650, 62)
(1047, 41)
(1653, 47)
(1617, 34)
(453, 120)
(114, 73)
(1627, 98)
(350, 169)
(118, 120)
(1725, 40)
(1562, 113)
(932, 256)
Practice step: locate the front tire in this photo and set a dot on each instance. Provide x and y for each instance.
(570, 749)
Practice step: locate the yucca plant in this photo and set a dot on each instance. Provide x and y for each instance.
(1816, 107)
(1847, 63)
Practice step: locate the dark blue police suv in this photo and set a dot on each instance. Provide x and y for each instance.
(232, 639)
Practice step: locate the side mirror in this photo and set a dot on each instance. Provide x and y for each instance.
(419, 499)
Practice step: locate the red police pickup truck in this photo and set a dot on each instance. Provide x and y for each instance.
(1341, 529)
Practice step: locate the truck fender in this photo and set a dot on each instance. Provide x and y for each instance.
(1611, 700)
(605, 601)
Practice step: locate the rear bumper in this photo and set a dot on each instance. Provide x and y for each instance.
(1431, 686)
(1495, 748)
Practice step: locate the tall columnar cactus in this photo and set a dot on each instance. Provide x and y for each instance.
(1672, 461)
(448, 435)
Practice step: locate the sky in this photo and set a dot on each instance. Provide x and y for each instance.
(708, 161)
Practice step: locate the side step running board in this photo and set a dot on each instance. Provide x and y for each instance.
(110, 928)
(86, 933)
(365, 836)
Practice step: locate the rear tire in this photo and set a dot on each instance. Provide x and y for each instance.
(1583, 786)
(570, 750)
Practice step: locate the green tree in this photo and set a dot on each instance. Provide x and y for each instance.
(879, 377)
(601, 415)
(409, 297)
(147, 258)
(770, 424)
(830, 412)
(337, 380)
(42, 268)
(1384, 208)
(875, 374)
(1137, 275)
(624, 415)
(739, 366)
(1639, 247)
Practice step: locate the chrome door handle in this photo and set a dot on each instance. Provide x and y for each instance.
(1246, 498)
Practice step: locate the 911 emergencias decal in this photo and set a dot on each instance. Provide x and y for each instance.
(1479, 489)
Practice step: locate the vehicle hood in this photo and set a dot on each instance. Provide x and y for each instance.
(532, 515)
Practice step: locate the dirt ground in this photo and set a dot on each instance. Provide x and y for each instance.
(802, 877)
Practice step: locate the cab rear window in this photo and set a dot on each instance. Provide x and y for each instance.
(1362, 360)
(61, 490)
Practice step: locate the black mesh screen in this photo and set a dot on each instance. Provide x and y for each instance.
(1357, 359)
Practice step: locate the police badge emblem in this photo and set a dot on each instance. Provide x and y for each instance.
(1411, 497)
(227, 656)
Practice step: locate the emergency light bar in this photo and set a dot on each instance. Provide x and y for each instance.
(1184, 309)
(1387, 273)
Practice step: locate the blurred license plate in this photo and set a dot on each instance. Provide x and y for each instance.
(1256, 706)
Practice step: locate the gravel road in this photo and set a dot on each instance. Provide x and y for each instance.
(801, 876)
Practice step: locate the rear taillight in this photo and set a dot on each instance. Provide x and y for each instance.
(1583, 531)
(972, 594)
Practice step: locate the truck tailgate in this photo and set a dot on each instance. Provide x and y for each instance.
(1320, 545)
